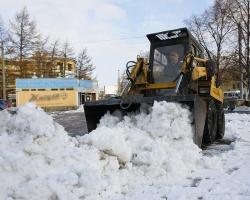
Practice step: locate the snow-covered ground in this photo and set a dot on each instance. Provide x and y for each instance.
(140, 157)
(80, 109)
(242, 108)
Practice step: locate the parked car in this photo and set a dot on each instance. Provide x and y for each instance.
(235, 94)
(231, 99)
(4, 104)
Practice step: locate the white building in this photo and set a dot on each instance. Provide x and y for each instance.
(110, 90)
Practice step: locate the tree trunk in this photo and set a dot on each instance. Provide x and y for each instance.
(248, 33)
(240, 60)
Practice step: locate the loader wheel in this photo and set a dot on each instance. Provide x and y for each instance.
(210, 128)
(221, 122)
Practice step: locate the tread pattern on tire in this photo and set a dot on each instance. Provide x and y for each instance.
(220, 122)
(210, 129)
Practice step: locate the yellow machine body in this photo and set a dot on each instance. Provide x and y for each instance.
(194, 83)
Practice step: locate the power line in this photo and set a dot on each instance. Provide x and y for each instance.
(115, 39)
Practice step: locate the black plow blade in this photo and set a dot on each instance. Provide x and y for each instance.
(95, 110)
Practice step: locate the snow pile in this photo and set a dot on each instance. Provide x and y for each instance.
(223, 172)
(79, 109)
(143, 156)
(38, 160)
(159, 143)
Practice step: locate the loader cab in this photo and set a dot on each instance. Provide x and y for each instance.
(167, 51)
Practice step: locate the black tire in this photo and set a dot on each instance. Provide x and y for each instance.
(220, 122)
(210, 129)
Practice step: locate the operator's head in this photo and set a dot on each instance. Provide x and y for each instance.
(174, 57)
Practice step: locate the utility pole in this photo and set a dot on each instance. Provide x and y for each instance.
(3, 72)
(240, 59)
(118, 82)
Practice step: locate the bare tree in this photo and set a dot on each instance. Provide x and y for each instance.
(212, 29)
(40, 56)
(84, 65)
(53, 54)
(196, 25)
(2, 47)
(240, 15)
(67, 52)
(219, 27)
(144, 54)
(23, 37)
(2, 31)
(4, 38)
(122, 82)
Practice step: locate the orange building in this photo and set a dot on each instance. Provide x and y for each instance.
(35, 68)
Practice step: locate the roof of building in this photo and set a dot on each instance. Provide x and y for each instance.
(50, 83)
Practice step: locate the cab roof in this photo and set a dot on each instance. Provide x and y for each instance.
(174, 34)
(168, 35)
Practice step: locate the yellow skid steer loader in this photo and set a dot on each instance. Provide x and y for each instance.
(176, 71)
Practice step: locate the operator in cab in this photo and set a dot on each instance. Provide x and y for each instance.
(172, 68)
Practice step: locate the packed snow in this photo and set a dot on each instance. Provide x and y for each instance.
(141, 156)
(242, 108)
(79, 109)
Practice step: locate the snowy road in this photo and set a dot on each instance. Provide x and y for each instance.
(149, 157)
(73, 122)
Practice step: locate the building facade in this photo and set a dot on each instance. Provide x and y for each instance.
(43, 68)
(56, 93)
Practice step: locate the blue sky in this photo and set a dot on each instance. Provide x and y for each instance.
(86, 23)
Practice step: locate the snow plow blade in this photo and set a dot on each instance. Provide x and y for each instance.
(95, 110)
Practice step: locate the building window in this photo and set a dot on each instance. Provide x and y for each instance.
(69, 67)
(60, 66)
